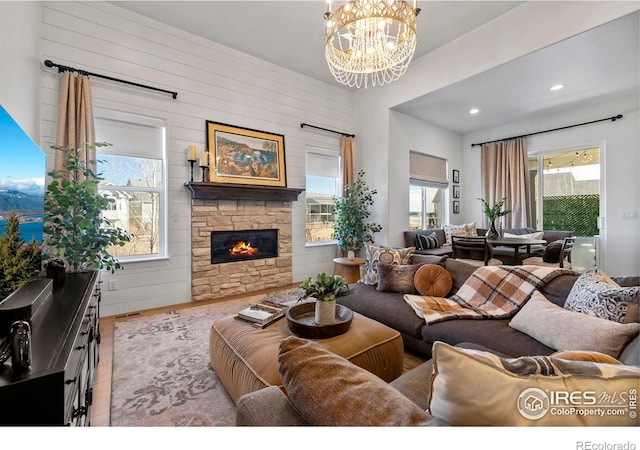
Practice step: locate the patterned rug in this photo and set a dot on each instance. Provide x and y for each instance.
(161, 373)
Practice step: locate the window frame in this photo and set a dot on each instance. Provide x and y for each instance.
(423, 185)
(162, 191)
(336, 153)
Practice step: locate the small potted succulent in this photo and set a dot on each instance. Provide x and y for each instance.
(325, 289)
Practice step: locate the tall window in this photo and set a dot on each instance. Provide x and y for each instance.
(565, 192)
(133, 168)
(428, 180)
(323, 181)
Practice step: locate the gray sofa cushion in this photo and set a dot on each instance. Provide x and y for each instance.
(495, 334)
(388, 308)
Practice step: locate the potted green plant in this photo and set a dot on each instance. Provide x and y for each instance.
(351, 211)
(492, 213)
(325, 289)
(74, 227)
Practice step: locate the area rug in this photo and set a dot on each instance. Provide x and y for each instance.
(161, 374)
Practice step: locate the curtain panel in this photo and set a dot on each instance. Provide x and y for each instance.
(75, 118)
(505, 173)
(346, 148)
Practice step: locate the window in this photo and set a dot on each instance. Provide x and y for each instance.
(428, 180)
(133, 168)
(565, 192)
(323, 181)
(425, 206)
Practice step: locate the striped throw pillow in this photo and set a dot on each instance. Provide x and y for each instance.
(427, 242)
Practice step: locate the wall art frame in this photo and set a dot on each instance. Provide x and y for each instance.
(456, 176)
(239, 155)
(456, 207)
(456, 191)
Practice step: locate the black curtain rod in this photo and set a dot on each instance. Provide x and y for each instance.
(62, 68)
(613, 119)
(302, 125)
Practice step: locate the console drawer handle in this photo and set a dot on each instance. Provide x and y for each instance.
(80, 347)
(71, 381)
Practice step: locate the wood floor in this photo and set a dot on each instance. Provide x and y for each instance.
(101, 408)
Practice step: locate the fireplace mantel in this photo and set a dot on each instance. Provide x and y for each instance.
(227, 191)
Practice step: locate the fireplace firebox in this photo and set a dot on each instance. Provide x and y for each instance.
(243, 245)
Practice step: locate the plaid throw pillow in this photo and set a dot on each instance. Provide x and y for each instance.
(427, 242)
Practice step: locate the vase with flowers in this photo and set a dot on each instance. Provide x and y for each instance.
(325, 289)
(492, 213)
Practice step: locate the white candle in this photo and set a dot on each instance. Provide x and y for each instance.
(204, 159)
(192, 153)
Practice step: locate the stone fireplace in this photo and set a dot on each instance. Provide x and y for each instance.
(249, 213)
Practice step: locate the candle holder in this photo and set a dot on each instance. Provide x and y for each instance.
(204, 173)
(191, 161)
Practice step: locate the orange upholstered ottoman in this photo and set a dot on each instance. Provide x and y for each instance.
(246, 358)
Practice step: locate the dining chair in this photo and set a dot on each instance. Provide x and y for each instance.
(564, 258)
(474, 250)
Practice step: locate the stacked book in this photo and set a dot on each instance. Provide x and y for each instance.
(262, 315)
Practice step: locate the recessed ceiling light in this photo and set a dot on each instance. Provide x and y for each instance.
(474, 111)
(557, 87)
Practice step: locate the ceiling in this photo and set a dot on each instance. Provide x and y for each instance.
(291, 35)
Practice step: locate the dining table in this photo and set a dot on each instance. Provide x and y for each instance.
(516, 243)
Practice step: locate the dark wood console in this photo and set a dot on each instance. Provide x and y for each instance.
(65, 339)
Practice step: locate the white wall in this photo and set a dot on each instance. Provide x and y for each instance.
(20, 24)
(620, 159)
(520, 31)
(406, 134)
(213, 83)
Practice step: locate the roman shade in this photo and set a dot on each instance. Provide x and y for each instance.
(428, 169)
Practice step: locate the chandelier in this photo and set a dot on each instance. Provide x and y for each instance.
(370, 41)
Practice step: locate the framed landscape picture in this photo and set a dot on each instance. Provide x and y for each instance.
(245, 156)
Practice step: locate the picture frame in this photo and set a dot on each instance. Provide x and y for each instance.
(456, 207)
(456, 191)
(239, 155)
(456, 176)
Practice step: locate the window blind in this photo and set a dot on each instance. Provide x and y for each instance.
(141, 140)
(428, 169)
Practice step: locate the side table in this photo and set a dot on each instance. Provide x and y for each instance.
(349, 269)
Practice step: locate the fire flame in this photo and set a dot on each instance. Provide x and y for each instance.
(243, 248)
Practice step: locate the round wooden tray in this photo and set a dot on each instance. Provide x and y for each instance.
(301, 319)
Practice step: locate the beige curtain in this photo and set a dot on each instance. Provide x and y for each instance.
(346, 147)
(505, 173)
(75, 118)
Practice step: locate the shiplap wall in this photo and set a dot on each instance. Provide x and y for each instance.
(214, 83)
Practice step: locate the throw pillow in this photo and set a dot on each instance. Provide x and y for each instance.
(596, 294)
(397, 278)
(536, 235)
(427, 242)
(466, 229)
(433, 280)
(331, 391)
(477, 388)
(561, 329)
(552, 252)
(385, 255)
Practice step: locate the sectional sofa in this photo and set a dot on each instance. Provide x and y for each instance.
(498, 346)
(391, 309)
